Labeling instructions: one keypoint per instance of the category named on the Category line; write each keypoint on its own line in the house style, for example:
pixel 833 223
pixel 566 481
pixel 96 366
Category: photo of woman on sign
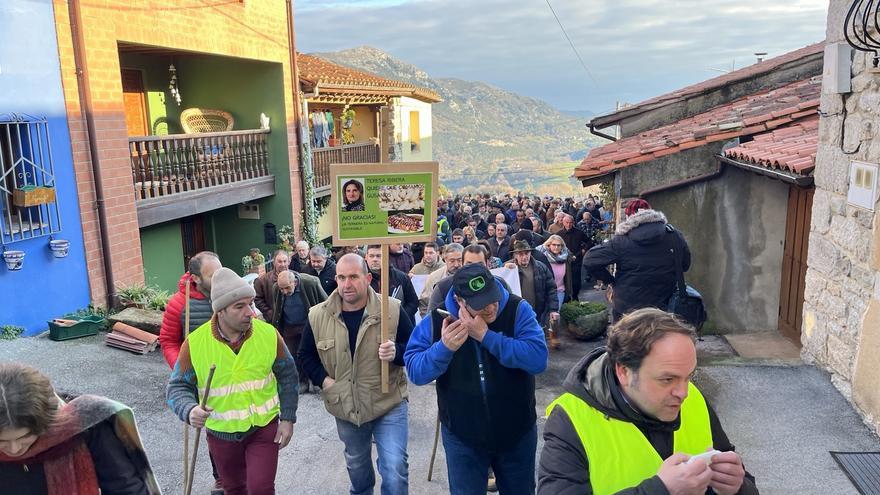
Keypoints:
pixel 353 195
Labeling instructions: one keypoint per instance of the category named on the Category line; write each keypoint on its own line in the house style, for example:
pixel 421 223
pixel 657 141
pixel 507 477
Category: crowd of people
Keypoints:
pixel 629 420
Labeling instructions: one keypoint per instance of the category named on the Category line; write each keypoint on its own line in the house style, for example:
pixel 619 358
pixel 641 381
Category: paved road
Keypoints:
pixel 783 419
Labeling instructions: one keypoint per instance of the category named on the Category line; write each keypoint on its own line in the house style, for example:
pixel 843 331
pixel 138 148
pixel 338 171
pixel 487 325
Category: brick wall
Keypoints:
pixel 254 30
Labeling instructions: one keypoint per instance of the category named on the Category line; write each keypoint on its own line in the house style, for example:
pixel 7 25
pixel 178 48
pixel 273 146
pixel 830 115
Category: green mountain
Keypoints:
pixel 484 136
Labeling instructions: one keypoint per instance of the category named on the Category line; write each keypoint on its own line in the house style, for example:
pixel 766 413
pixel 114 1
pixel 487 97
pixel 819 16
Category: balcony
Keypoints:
pixel 179 175
pixel 349 153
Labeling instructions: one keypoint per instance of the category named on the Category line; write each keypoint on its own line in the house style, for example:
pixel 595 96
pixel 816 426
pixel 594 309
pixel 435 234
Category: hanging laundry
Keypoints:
pixel 328 116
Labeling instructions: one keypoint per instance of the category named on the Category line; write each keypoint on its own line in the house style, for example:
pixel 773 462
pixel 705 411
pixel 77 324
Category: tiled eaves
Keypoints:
pixel 320 73
pixel 791 148
pixel 750 115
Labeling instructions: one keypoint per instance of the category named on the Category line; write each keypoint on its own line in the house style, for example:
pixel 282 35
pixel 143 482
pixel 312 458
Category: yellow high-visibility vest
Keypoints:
pixel 618 453
pixel 244 392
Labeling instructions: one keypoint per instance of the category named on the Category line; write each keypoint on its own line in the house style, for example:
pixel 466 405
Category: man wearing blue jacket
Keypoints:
pixel 484 357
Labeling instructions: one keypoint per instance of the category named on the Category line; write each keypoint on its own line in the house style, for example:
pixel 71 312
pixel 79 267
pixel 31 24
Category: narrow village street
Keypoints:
pixel 242 191
pixel 769 409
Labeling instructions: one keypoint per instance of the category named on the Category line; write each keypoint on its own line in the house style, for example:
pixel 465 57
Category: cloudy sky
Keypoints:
pixel 633 49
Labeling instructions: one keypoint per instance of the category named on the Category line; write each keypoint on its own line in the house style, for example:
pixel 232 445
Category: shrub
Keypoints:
pixel 10 332
pixel 143 296
pixel 571 311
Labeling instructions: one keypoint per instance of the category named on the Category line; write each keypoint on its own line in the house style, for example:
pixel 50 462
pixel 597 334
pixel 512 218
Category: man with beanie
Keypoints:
pixel 172 333
pixel 342 353
pixel 484 356
pixel 251 410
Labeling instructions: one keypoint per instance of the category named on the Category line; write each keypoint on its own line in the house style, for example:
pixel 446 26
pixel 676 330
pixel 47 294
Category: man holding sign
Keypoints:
pixel 340 352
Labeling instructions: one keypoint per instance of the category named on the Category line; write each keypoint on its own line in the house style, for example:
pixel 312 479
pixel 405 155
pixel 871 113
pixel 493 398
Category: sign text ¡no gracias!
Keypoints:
pixel 375 203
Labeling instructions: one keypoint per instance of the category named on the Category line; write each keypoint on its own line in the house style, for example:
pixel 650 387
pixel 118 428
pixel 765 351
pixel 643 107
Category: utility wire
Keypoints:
pixel 572 44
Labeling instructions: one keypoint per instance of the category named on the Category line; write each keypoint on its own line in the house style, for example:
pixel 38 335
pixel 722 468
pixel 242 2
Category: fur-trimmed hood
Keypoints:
pixel 644 227
pixel 640 218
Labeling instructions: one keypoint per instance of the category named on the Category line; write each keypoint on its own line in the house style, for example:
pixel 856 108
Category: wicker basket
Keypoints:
pixel 199 120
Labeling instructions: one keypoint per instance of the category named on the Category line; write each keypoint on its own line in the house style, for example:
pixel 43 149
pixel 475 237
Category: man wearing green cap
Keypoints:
pixel 484 356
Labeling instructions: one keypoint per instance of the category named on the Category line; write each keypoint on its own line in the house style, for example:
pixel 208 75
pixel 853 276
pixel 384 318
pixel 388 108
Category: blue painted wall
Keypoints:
pixel 30 83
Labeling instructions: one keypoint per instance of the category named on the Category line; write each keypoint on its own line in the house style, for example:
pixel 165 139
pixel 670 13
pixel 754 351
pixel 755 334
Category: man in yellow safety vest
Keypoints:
pixel 630 419
pixel 251 406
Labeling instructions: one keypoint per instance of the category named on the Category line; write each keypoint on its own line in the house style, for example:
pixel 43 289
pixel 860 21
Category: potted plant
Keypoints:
pixel 14 259
pixel 253 262
pixel 585 320
pixel 347 124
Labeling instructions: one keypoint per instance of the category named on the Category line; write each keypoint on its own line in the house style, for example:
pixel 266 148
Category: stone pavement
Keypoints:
pixel 783 419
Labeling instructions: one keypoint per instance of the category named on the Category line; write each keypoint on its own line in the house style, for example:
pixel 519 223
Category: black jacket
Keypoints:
pixel 309 289
pixel 545 290
pixel 327 275
pixel 118 470
pixel 409 300
pixel 564 468
pixel 500 250
pixel 645 267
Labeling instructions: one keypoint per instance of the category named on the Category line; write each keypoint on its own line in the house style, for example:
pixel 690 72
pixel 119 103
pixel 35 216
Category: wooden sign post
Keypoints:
pixel 377 203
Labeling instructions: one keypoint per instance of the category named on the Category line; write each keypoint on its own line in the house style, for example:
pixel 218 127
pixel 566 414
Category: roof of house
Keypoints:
pixel 331 78
pixel 715 83
pixel 750 115
pixel 790 149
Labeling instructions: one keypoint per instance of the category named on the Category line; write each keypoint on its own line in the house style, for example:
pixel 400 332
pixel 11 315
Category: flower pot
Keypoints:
pixel 334 141
pixel 59 247
pixel 14 259
pixel 588 327
pixel 33 196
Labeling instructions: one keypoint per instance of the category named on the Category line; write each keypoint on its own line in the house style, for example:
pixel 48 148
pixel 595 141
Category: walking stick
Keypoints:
pixel 434 450
pixel 185 425
pixel 192 465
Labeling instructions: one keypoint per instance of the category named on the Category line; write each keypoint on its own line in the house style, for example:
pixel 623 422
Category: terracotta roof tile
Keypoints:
pixel 757 113
pixel 791 148
pixel 718 82
pixel 327 76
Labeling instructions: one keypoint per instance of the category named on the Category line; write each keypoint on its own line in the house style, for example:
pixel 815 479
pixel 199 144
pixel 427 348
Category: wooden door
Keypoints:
pixel 192 233
pixel 135 103
pixel 794 262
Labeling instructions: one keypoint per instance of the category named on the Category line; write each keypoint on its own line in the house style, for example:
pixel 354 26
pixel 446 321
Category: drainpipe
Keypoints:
pixel 595 132
pixel 685 182
pixel 304 152
pixel 87 110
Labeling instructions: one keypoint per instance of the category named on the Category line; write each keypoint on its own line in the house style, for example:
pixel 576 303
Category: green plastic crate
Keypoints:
pixel 84 327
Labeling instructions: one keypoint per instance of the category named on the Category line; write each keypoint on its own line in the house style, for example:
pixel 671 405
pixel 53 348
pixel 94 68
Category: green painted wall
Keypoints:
pixel 162 250
pixel 162 109
pixel 245 89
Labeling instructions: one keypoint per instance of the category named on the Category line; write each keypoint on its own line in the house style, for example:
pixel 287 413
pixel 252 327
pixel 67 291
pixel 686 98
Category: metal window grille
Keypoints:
pixel 28 204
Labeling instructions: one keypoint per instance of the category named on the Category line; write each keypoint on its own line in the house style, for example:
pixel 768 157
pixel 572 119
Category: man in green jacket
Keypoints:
pixel 293 295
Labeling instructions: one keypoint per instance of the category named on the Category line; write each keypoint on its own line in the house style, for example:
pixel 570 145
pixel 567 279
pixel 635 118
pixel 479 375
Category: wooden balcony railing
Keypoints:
pixel 349 153
pixel 176 163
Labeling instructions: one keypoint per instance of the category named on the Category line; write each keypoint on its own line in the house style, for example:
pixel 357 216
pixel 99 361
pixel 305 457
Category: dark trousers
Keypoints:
pixel 292 336
pixel 576 278
pixel 247 467
pixel 468 467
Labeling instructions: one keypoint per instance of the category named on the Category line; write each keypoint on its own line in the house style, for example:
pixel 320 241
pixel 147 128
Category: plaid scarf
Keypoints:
pixel 65 456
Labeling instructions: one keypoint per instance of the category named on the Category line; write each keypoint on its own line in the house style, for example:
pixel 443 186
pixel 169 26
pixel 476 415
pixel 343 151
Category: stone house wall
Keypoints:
pixel 841 330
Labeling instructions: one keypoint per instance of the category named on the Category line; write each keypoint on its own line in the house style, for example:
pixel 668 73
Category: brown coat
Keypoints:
pixel 264 300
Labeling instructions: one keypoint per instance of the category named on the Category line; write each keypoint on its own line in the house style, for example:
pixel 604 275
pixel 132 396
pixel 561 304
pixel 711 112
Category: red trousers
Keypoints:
pixel 247 467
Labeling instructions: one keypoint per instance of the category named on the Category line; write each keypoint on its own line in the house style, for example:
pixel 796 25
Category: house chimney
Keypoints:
pixel 760 56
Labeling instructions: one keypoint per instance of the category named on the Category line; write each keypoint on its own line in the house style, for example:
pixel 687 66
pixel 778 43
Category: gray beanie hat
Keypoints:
pixel 227 287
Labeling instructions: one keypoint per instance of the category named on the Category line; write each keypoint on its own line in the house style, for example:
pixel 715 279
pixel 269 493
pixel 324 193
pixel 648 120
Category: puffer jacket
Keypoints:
pixel 645 274
pixel 564 468
pixel 171 334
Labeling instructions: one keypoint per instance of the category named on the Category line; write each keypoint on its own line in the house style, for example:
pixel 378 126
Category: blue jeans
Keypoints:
pixel 560 296
pixel 390 431
pixel 468 467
